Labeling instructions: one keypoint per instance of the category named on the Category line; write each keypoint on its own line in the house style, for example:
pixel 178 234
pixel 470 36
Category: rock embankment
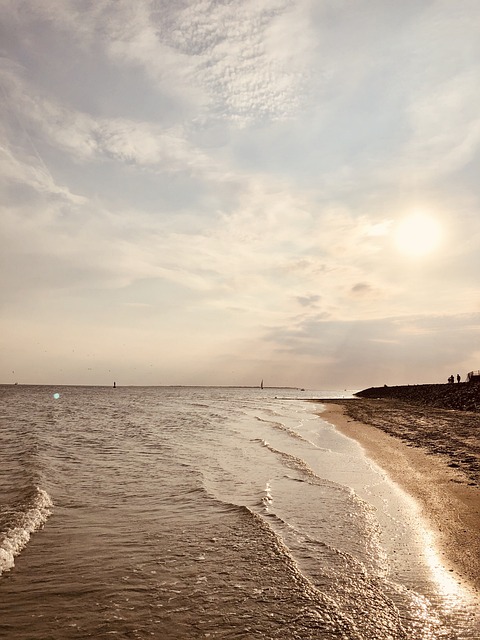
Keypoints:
pixel 463 396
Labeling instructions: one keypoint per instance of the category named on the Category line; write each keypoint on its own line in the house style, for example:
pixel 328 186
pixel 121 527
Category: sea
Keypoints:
pixel 196 512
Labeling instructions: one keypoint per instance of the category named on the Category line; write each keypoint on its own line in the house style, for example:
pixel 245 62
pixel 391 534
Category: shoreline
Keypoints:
pixel 449 501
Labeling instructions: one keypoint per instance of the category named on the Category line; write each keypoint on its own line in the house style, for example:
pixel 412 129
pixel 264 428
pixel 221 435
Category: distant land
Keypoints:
pixel 157 386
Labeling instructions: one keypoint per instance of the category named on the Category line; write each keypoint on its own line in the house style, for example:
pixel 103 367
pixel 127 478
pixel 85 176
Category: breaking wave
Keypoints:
pixel 18 522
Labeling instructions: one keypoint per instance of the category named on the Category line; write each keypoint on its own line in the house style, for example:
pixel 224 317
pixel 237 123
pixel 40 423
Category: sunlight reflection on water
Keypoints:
pixel 453 592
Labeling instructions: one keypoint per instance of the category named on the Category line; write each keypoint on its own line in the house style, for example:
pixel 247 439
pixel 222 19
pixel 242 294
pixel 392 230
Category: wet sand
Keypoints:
pixel 434 455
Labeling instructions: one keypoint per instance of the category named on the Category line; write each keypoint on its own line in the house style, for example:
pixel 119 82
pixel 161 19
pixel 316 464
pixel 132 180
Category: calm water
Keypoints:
pixel 177 513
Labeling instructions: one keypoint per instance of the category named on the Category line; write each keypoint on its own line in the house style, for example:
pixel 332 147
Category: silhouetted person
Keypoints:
pixel 458 377
pixel 451 379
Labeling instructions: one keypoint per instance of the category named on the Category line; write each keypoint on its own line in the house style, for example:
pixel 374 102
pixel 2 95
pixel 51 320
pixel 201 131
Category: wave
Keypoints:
pixel 336 594
pixel 281 427
pixel 18 522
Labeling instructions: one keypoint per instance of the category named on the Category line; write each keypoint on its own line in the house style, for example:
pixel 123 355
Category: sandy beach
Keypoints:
pixel 434 455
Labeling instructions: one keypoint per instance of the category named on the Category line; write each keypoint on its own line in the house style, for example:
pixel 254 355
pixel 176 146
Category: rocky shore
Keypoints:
pixel 463 396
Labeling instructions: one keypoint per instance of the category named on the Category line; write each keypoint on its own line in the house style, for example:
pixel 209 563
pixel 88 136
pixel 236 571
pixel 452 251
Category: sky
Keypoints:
pixel 200 192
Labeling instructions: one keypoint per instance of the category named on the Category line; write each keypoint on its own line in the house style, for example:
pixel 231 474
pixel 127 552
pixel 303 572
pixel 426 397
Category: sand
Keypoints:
pixel 434 456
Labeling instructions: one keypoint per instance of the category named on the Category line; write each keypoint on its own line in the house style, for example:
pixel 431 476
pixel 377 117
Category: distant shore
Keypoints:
pixel 434 455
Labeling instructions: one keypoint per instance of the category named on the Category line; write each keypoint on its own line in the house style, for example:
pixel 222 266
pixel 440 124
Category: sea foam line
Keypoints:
pixel 26 518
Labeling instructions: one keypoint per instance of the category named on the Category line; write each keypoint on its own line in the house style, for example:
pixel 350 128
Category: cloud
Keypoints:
pixel 309 301
pixel 230 53
pixel 446 126
pixel 86 138
pixel 29 170
pixel 384 350
pixel 243 62
pixel 361 288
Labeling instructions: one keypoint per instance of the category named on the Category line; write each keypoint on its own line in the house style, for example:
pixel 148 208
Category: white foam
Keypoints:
pixel 27 518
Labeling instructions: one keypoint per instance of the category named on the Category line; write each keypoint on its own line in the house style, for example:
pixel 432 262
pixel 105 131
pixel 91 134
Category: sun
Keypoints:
pixel 417 235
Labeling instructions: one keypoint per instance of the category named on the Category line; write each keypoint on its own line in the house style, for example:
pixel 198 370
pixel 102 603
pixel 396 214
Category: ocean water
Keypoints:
pixel 184 513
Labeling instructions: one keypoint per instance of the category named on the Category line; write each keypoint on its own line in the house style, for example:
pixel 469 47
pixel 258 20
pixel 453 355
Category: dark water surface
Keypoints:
pixel 177 513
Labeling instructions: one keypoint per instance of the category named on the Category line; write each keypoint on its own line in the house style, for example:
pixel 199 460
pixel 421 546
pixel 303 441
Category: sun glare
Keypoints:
pixel 417 235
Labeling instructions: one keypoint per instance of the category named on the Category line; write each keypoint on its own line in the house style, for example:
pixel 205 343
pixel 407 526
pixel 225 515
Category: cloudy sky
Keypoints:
pixel 216 192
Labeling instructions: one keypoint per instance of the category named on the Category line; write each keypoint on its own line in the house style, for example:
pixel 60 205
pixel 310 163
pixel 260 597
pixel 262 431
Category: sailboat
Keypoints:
pixel 261 384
